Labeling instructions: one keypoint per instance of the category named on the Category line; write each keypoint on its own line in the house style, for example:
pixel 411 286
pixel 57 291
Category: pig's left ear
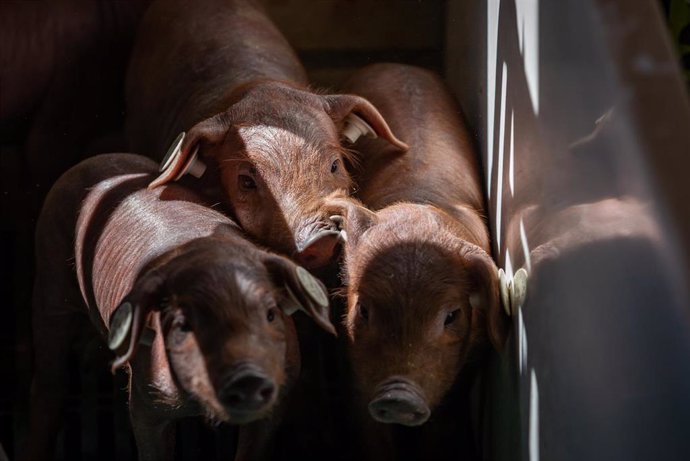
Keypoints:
pixel 355 116
pixel 305 292
pixel 128 320
pixel 484 293
pixel 183 155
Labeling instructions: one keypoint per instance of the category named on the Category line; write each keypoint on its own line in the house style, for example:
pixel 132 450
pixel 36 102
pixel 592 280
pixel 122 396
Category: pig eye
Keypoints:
pixel 450 318
pixel 180 323
pixel 247 182
pixel 334 166
pixel 271 315
pixel 364 312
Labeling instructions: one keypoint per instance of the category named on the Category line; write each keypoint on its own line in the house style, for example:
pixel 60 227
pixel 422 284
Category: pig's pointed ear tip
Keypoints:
pixel 404 147
pixel 154 184
pixel 328 326
pixel 117 363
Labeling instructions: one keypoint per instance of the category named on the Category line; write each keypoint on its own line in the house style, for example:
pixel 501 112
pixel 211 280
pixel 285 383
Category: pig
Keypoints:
pixel 260 140
pixel 62 72
pixel 197 313
pixel 421 286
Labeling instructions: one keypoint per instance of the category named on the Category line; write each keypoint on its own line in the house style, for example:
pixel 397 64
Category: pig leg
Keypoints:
pixel 153 432
pixel 54 332
pixel 254 440
pixel 377 439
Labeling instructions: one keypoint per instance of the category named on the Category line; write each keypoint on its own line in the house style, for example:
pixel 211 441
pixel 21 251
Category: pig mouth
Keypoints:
pixel 399 401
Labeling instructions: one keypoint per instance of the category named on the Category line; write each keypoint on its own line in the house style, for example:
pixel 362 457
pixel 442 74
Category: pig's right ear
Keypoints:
pixel 484 292
pixel 128 320
pixel 355 116
pixel 183 155
pixel 305 292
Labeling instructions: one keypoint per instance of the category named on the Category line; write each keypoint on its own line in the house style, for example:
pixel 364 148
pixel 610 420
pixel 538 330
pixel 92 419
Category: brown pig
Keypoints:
pixel 197 313
pixel 261 141
pixel 422 287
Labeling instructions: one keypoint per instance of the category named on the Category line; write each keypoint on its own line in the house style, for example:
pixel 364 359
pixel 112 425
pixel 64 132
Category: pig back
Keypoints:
pixel 188 58
pixel 123 227
pixel 441 166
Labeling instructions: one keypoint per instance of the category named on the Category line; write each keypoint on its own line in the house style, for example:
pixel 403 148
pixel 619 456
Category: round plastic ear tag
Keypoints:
pixel 518 291
pixel 293 304
pixel 194 166
pixel 173 152
pixel 120 324
pixel 312 287
pixel 504 290
pixel 355 127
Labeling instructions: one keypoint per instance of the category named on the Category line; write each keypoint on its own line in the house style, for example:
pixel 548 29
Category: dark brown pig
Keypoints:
pixel 197 313
pixel 258 138
pixel 62 72
pixel 422 287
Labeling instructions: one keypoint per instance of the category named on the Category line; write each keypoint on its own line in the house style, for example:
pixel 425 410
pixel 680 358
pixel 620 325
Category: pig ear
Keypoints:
pixel 484 292
pixel 356 117
pixel 353 217
pixel 128 320
pixel 183 155
pixel 305 292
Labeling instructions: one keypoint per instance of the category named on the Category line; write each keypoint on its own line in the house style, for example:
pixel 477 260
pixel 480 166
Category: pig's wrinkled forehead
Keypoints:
pixel 297 111
pixel 221 285
pixel 398 268
pixel 282 150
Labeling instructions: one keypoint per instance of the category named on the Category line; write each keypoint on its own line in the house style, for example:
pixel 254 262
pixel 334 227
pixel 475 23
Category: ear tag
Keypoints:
pixel 194 166
pixel 312 287
pixel 294 305
pixel 120 325
pixel 173 152
pixel 355 127
pixel 518 290
pixel 504 289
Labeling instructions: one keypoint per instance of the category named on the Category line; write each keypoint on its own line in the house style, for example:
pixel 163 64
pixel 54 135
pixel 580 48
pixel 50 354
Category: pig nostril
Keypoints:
pixel 266 393
pixel 399 407
pixel 247 391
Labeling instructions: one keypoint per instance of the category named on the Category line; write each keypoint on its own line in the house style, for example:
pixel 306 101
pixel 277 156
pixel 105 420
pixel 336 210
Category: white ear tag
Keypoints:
pixel 194 166
pixel 173 152
pixel 312 287
pixel 120 324
pixel 504 289
pixel 355 127
pixel 294 305
pixel 518 290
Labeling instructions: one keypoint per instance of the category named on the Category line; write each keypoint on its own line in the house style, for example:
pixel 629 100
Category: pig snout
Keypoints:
pixel 247 392
pixel 317 244
pixel 399 401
